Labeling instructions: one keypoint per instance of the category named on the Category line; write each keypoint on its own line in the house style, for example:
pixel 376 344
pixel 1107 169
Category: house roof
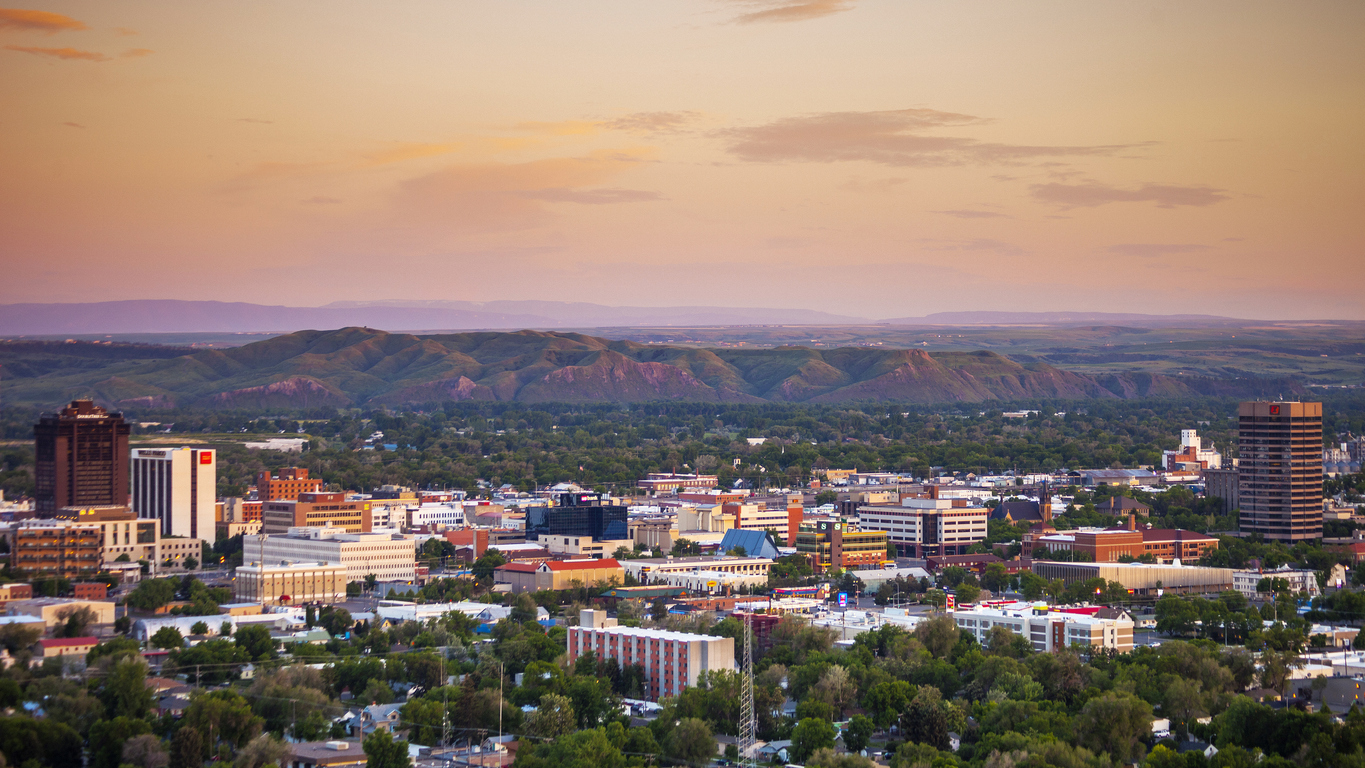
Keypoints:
pixel 1121 504
pixel 68 642
pixel 1017 511
pixel 581 565
pixel 517 567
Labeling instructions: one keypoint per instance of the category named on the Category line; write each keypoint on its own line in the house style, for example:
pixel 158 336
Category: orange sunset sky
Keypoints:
pixel 878 159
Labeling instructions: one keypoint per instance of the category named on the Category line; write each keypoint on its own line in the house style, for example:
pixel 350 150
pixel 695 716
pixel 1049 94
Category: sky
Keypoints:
pixel 875 159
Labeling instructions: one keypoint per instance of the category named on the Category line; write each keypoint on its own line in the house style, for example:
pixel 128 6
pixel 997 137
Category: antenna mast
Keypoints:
pixel 748 717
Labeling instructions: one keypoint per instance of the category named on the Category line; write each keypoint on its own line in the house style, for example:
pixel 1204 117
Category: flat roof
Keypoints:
pixel 653 634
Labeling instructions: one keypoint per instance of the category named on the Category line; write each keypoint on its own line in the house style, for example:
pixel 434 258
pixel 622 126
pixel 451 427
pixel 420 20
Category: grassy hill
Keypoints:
pixel 353 366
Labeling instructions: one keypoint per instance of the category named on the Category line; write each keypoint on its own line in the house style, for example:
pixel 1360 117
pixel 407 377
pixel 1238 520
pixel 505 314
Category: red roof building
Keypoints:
pixel 67 646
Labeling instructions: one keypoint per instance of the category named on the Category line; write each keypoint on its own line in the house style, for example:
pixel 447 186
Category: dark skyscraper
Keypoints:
pixel 82 459
pixel 1280 470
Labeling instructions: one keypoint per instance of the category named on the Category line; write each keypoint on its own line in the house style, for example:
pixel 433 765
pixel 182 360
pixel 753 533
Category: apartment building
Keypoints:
pixel 122 533
pixel 291 583
pixel 313 510
pixel 924 527
pixel 1049 630
pixel 388 556
pixel 54 548
pixel 671 661
pixel 177 486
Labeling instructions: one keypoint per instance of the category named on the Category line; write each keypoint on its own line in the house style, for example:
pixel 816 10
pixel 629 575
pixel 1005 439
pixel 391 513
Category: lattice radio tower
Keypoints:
pixel 748 717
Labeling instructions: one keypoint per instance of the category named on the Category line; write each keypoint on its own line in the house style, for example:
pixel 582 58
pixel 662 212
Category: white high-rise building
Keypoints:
pixel 177 486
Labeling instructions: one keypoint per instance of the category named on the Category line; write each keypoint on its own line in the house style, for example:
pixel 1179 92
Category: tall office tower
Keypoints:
pixel 1280 469
pixel 177 486
pixel 82 459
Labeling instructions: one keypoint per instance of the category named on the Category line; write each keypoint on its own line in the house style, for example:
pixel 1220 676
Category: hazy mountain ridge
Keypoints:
pixel 354 366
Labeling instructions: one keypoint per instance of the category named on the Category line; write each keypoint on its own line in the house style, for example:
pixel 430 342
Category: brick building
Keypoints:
pixel 55 548
pixel 315 509
pixel 288 485
pixel 671 661
pixel 1108 545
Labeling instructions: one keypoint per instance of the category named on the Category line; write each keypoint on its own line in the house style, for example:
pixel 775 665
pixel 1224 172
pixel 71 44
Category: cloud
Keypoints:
pixel 59 53
pixel 73 125
pixel 136 53
pixel 966 214
pixel 787 10
pixel 650 122
pixel 410 151
pixel 1093 194
pixel 37 21
pixel 321 200
pixel 1151 250
pixel 895 137
pixel 512 196
pixel 592 196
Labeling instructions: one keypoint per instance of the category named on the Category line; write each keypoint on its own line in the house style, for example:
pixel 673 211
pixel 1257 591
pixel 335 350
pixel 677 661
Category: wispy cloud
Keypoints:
pixel 60 53
pixel 1093 194
pixel 968 214
pixel 136 53
pixel 37 21
pixel 650 122
pixel 410 151
pixel 791 10
pixel 896 137
pixel 512 196
pixel 591 196
pixel 1151 250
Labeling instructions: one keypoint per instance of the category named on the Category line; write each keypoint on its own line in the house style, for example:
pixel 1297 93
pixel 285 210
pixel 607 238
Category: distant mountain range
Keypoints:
pixel 360 366
pixel 174 316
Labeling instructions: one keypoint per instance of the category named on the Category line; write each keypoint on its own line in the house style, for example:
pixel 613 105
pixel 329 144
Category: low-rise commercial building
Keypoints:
pixel 1108 545
pixel 291 583
pixel 710 582
pixel 668 482
pixel 77 647
pixel 671 661
pixel 56 610
pixel 315 509
pixel 579 547
pixel 571 574
pixel 1049 630
pixel 288 485
pixel 1141 579
pixel 387 556
pixel 646 569
pixel 11 592
pixel 1246 582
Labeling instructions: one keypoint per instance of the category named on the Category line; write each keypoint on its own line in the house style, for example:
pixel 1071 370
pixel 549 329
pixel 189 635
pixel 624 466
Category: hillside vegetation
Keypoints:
pixel 361 366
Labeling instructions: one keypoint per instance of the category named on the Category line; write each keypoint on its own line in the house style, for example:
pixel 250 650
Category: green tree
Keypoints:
pixel 1031 585
pixel 858 734
pixel 690 742
pixel 256 641
pixel 223 716
pixel 124 691
pixel 939 634
pixel 264 750
pixel 151 594
pixel 145 751
pixel 107 738
pixel 582 749
pixel 489 560
pixel 168 638
pixel 810 735
pixel 553 718
pixel 30 743
pixel 383 751
pixel 200 628
pixel 187 748
pixel 1115 724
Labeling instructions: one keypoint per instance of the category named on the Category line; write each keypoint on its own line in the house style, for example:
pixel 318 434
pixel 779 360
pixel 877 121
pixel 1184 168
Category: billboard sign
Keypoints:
pixel 843 599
